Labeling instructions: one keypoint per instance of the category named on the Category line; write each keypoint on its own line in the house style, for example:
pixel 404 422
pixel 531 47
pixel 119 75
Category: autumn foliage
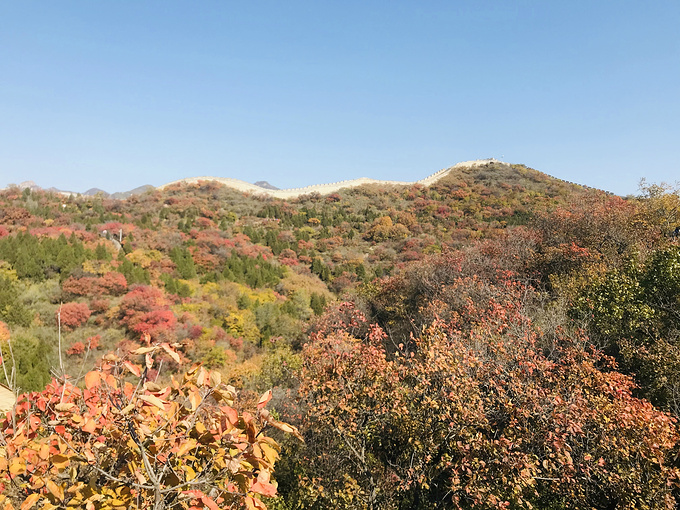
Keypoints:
pixel 122 441
pixel 72 315
pixel 492 415
pixel 497 339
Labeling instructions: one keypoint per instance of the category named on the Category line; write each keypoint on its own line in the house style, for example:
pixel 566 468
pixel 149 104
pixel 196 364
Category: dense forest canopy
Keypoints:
pixel 499 339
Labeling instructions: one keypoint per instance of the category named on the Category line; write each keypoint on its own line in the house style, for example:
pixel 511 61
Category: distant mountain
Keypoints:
pixel 136 191
pixel 265 185
pixel 29 184
pixel 95 191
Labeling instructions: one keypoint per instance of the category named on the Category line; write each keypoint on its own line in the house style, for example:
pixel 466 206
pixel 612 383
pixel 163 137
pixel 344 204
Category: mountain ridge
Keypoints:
pixel 264 188
pixel 328 188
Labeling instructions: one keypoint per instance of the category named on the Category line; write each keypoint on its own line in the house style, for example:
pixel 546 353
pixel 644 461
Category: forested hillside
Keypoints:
pixel 499 339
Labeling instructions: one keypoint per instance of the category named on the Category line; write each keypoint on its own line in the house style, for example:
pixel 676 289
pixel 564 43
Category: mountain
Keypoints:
pixel 489 170
pixel 95 191
pixel 136 191
pixel 499 172
pixel 265 185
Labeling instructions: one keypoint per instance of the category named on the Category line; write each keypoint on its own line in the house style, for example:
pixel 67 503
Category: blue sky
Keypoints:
pixel 119 94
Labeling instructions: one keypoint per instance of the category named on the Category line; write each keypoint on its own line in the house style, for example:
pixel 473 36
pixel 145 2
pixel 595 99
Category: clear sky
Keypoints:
pixel 117 94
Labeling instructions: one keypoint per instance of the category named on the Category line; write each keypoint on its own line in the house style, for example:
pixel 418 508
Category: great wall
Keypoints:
pixel 325 189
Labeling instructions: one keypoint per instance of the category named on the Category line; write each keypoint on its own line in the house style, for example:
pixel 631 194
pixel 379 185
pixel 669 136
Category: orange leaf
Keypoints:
pixel 231 413
pixel 111 381
pixel 286 428
pixel 90 426
pixel 186 446
pixel 30 501
pixel 92 379
pixel 133 368
pixel 207 501
pixel 264 488
pixel 44 452
pixel 266 397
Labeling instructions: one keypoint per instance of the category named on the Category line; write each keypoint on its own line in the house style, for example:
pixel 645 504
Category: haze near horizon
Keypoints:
pixel 115 96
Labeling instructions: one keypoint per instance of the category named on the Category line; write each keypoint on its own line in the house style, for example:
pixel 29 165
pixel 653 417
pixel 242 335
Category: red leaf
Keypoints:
pixel 266 397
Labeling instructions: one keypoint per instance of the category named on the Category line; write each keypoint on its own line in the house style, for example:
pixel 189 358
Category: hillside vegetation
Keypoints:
pixel 497 339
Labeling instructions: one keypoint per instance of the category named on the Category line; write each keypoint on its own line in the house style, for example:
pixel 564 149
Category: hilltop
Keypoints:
pixel 328 188
pixel 265 188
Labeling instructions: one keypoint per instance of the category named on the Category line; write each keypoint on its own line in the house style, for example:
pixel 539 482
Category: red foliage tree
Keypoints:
pixel 113 283
pixel 73 315
pixel 158 324
pixel 76 349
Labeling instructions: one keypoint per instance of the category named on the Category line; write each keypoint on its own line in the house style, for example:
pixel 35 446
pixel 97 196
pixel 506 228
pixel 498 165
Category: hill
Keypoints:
pixel 449 323
pixel 325 189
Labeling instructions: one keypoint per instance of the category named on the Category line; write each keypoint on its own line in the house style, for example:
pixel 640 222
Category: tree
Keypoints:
pixel 118 444
pixel 477 418
pixel 72 315
pixel 12 310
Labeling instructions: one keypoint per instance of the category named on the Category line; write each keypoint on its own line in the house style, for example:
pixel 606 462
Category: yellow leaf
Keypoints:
pixel 30 501
pixel 191 474
pixel 171 353
pixel 187 445
pixel 17 466
pixel 201 377
pixel 195 400
pixel 270 454
pixel 254 503
pixel 56 491
pixel 215 378
pixel 127 409
pixel 60 461
pixel 150 399
pixel 143 350
pixel 152 387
